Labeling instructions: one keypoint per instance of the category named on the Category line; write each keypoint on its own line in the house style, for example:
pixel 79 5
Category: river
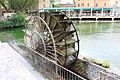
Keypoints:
pixel 100 41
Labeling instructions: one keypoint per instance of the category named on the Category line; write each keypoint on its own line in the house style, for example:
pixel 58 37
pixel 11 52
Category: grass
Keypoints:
pixel 12 33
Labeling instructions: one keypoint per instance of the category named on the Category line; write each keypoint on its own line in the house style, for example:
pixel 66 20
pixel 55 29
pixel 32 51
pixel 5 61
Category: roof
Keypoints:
pixel 77 8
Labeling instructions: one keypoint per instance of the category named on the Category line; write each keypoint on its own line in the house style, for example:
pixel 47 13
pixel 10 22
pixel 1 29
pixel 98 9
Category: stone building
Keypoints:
pixel 43 3
pixel 93 3
pixel 67 3
pixel 2 10
pixel 85 3
pixel 115 4
pixel 102 3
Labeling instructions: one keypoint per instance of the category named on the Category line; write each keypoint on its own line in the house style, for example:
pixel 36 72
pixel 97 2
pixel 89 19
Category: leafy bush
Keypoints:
pixel 17 19
pixel 106 64
pixel 103 63
pixel 5 24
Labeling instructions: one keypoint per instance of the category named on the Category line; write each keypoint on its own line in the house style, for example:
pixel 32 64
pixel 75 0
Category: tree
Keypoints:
pixel 16 5
pixel 4 3
pixel 20 5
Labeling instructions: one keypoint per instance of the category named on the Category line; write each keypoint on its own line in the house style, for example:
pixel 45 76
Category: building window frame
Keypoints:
pixel 88 5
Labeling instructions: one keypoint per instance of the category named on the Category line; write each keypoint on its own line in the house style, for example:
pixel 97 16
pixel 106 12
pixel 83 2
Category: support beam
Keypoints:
pixel 102 12
pixel 91 12
pixel 80 12
pixel 113 12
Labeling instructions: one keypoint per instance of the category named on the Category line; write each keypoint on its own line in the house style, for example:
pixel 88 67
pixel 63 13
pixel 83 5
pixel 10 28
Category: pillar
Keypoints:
pixel 102 12
pixel 113 13
pixel 91 11
pixel 80 12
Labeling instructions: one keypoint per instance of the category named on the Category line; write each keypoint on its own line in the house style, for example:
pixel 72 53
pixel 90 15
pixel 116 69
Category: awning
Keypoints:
pixel 73 8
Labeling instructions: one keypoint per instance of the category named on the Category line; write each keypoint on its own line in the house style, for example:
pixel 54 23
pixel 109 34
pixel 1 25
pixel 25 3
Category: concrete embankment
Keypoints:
pixel 92 71
pixel 14 67
pixel 87 69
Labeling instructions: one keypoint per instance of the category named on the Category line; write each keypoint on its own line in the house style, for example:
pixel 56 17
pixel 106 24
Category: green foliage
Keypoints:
pixel 12 33
pixel 98 62
pixel 103 63
pixel 17 19
pixel 5 4
pixel 4 24
pixel 16 5
pixel 106 64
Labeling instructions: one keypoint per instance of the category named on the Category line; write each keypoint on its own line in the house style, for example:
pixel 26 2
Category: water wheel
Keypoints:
pixel 53 35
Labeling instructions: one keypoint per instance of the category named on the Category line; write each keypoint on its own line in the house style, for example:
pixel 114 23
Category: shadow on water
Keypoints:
pixel 100 41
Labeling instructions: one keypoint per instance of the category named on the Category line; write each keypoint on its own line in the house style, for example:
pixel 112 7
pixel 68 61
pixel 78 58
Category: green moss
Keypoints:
pixel 97 62
pixel 105 64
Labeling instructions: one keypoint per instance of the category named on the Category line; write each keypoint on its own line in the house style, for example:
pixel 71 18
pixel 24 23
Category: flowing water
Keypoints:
pixel 100 41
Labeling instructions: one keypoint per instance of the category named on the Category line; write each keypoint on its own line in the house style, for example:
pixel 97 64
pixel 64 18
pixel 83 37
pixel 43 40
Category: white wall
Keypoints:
pixel 67 1
pixel 6 15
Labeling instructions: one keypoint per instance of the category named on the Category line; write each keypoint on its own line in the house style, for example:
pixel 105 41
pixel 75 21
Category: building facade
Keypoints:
pixel 67 3
pixel 2 10
pixel 85 3
pixel 117 2
pixel 93 3
pixel 43 3
pixel 102 3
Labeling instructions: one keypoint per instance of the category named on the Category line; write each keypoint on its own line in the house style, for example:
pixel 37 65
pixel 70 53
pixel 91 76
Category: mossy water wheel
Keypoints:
pixel 54 35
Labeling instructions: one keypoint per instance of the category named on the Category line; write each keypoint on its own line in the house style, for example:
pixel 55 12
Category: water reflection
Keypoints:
pixel 100 41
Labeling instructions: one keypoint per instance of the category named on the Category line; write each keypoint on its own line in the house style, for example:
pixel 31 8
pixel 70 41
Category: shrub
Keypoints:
pixel 103 63
pixel 4 24
pixel 17 19
pixel 106 64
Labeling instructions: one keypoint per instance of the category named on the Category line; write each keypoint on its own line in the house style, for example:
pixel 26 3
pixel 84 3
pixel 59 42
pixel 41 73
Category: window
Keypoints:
pixel 104 4
pixel 78 5
pixel 88 5
pixel 44 5
pixel 96 4
pixel 116 2
pixel 82 5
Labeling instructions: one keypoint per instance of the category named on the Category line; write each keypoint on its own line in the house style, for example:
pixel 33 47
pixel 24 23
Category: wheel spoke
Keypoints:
pixel 54 37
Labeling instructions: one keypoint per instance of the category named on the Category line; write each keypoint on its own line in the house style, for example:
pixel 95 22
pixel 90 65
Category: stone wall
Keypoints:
pixel 86 69
pixel 92 71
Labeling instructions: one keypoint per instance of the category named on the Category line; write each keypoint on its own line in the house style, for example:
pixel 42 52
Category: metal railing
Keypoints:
pixel 93 14
pixel 45 65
